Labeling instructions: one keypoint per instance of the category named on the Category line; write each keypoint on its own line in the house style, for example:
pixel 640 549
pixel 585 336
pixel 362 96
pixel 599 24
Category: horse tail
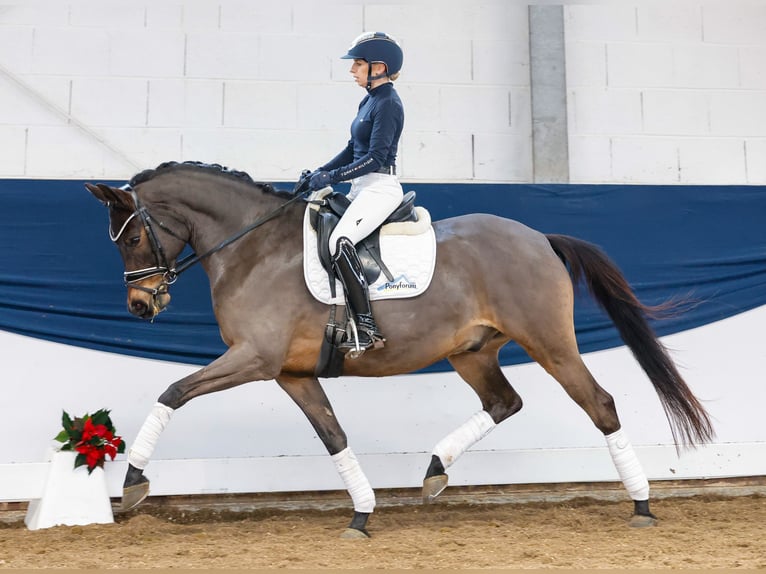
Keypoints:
pixel 687 417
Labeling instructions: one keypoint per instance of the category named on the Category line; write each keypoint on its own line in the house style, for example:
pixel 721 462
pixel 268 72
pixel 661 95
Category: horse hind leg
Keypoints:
pixel 570 371
pixel 499 401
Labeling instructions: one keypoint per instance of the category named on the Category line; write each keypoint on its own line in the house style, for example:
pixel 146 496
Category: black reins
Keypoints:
pixel 162 267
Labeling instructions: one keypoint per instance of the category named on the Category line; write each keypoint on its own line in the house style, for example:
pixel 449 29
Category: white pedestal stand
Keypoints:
pixel 71 496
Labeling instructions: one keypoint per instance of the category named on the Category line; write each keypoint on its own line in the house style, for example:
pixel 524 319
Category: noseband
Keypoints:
pixel 162 267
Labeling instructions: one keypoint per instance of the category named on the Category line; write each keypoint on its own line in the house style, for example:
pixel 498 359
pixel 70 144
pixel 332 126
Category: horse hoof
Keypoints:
pixel 354 534
pixel 433 486
pixel 134 495
pixel 642 521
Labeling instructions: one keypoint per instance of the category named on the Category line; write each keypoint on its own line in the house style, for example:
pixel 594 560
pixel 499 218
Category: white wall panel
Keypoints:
pixel 145 146
pixel 110 101
pixel 16 47
pixel 14 146
pixel 164 16
pixel 645 160
pixel 502 157
pixel 755 156
pixel 66 51
pixel 632 65
pixel 283 58
pixel 262 105
pixel 437 156
pixel 604 111
pixel 35 13
pixel 255 17
pixel 216 55
pixel 734 23
pixel 590 158
pixel 471 109
pixel 323 113
pixel 674 112
pixel 697 65
pixel 146 53
pixel 501 62
pixel 660 22
pixel 237 149
pixel 586 65
pixel 700 161
pixel 41 101
pixel 705 66
pixel 594 22
pixel 107 14
pixel 54 150
pixel 200 16
pixel 337 22
pixel 185 103
pixel 450 63
pixel 751 67
pixel 698 69
pixel 738 113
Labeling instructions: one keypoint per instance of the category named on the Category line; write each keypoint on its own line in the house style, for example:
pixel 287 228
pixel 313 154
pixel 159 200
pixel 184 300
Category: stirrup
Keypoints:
pixel 360 339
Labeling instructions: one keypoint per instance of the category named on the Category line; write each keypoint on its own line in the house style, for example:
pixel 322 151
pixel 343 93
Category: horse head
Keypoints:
pixel 149 263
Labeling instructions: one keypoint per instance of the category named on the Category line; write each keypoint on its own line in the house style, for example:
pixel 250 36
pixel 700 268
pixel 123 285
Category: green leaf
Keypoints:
pixel 101 417
pixel 80 460
pixel 63 436
pixel 66 421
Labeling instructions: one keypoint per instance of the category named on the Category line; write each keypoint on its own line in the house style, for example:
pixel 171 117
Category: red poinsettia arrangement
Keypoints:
pixel 92 437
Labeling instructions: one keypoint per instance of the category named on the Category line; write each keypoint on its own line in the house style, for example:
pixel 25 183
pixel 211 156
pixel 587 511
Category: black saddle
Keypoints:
pixel 331 209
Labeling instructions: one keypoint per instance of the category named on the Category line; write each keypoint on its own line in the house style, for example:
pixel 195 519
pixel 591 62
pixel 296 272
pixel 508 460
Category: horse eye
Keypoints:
pixel 133 241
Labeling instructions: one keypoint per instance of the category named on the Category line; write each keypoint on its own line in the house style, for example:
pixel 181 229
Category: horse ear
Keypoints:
pixel 111 196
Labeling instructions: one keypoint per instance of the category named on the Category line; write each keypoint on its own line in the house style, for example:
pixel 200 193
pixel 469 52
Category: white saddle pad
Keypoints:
pixel 408 250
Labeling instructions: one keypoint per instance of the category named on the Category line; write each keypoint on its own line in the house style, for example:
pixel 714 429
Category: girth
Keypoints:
pixel 331 209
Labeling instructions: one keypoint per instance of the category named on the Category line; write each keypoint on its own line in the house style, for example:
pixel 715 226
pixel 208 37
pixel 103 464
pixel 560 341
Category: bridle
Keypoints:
pixel 162 266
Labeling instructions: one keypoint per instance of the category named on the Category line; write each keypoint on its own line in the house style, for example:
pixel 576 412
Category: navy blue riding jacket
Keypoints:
pixel 375 135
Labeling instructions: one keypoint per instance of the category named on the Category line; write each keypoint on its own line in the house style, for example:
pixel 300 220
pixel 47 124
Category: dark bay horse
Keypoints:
pixel 495 281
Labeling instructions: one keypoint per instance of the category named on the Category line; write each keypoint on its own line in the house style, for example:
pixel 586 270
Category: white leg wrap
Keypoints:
pixel 628 467
pixel 143 447
pixel 464 437
pixel 356 482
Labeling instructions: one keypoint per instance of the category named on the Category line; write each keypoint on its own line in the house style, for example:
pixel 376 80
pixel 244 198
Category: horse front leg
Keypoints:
pixel 309 395
pixel 237 366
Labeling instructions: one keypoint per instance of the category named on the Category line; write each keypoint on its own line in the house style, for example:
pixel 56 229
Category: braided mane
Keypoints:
pixel 170 166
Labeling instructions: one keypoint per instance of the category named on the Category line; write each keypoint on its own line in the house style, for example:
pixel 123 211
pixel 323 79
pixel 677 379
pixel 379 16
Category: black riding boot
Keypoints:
pixel 349 270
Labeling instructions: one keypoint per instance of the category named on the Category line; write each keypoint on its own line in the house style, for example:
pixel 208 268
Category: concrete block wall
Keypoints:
pixel 667 93
pixel 105 89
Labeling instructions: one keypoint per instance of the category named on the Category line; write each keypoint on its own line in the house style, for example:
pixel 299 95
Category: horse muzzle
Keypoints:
pixel 147 299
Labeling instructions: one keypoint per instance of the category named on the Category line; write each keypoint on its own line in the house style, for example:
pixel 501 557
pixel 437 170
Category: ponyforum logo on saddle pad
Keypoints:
pixel 397 285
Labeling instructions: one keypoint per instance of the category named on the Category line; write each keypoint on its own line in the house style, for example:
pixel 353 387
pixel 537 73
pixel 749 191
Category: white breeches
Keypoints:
pixel 373 198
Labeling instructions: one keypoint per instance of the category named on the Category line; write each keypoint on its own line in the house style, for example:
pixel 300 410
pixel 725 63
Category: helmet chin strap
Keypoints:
pixel 371 78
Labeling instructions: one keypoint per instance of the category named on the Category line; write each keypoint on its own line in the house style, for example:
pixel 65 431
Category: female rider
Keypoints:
pixel 368 160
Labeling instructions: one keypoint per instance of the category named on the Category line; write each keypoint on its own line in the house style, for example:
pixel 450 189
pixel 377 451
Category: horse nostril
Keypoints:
pixel 137 307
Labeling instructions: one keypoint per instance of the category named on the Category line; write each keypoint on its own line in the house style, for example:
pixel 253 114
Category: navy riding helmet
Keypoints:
pixel 375 47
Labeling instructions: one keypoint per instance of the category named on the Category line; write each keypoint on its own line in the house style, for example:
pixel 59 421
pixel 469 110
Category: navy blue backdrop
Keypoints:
pixel 61 278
